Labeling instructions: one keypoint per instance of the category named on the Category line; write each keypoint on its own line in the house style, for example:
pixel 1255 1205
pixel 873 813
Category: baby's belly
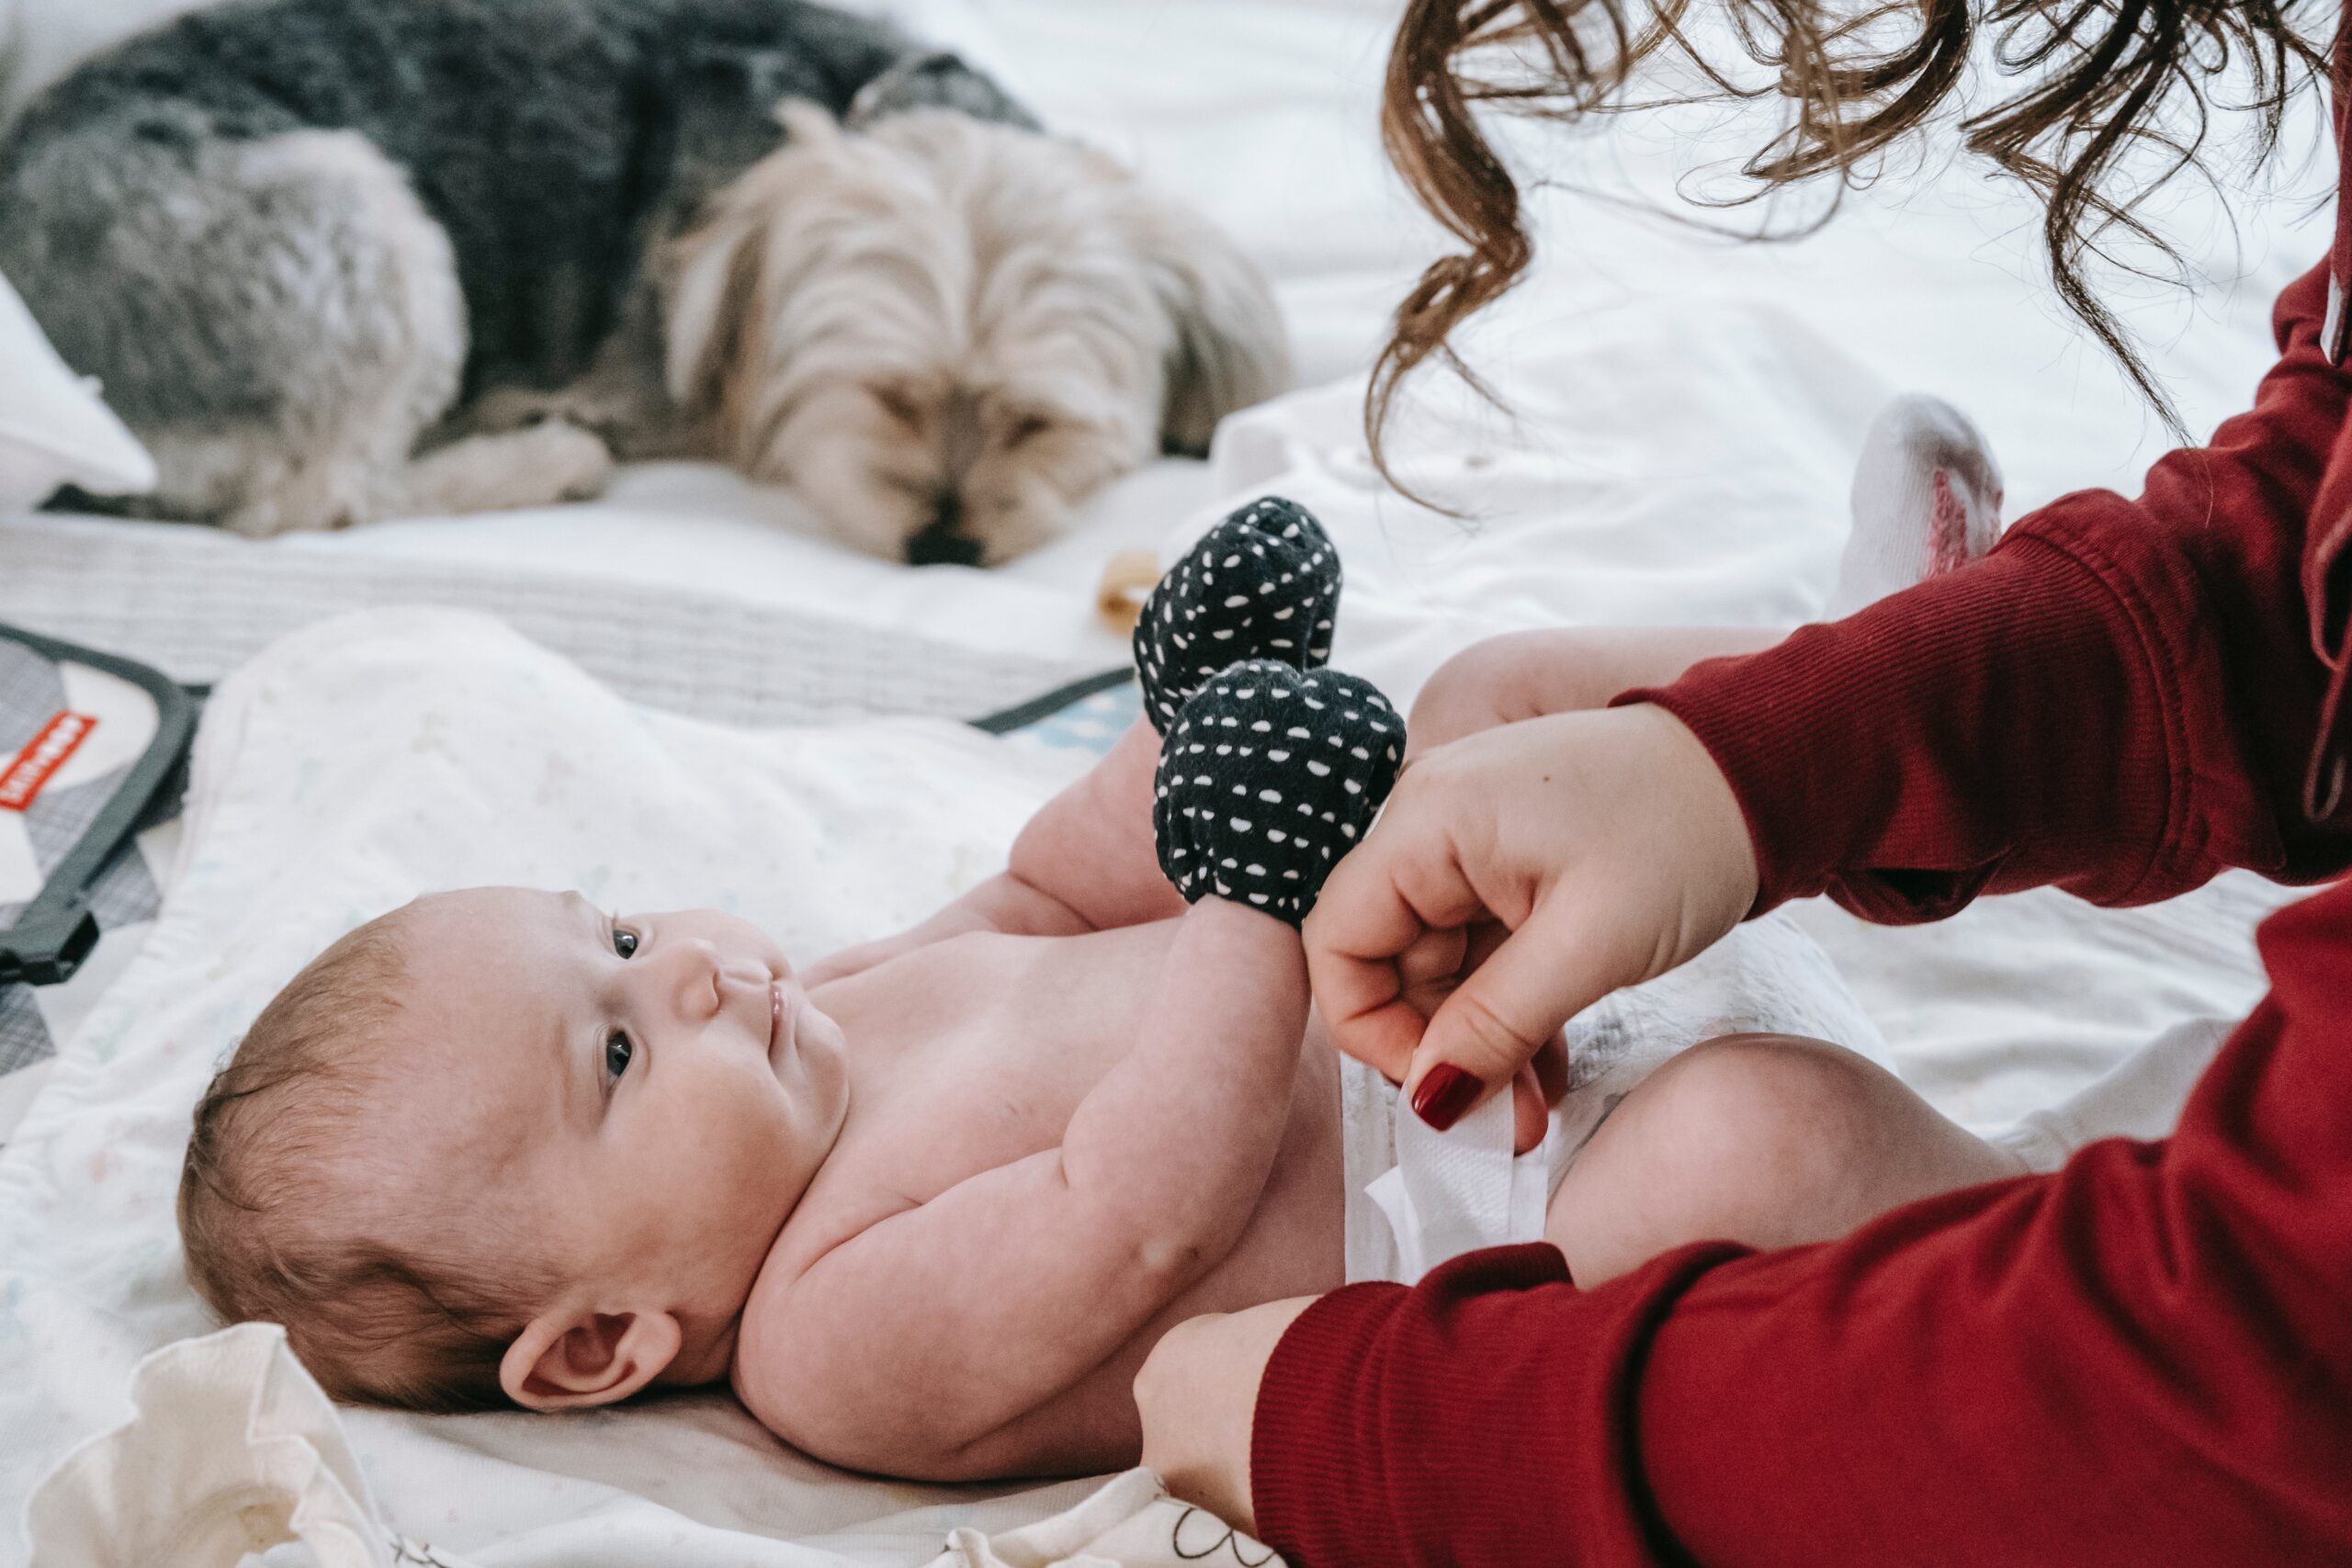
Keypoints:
pixel 1295 1245
pixel 1010 1037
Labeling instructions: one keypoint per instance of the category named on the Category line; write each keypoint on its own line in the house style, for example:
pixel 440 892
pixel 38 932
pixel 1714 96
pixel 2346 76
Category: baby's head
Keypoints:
pixel 496 1145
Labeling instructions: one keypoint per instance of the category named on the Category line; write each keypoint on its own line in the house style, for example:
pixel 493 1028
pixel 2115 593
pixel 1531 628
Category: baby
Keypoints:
pixel 927 1205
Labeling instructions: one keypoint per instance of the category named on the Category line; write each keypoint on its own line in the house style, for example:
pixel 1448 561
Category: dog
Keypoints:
pixel 334 262
pixel 943 333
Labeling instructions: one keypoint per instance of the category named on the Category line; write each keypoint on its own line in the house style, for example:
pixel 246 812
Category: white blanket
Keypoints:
pixel 349 769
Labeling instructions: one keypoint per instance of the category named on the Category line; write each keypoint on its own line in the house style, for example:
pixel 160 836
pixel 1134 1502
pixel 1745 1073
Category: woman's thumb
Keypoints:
pixel 1494 1022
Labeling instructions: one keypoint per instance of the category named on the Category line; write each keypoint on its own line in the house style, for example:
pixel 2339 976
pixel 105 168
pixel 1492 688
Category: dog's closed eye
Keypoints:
pixel 1024 428
pixel 901 404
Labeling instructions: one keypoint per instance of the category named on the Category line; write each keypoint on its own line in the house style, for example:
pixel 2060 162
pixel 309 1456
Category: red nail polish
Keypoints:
pixel 1444 1094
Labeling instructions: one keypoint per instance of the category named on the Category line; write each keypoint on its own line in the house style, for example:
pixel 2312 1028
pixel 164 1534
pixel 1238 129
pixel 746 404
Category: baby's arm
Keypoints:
pixel 916 1347
pixel 1521 675
pixel 1264 583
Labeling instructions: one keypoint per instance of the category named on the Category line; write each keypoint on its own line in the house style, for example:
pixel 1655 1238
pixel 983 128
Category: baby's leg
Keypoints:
pixel 1527 674
pixel 1927 498
pixel 1765 1139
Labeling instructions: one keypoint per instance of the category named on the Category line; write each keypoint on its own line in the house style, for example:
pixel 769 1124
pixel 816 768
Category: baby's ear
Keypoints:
pixel 569 1359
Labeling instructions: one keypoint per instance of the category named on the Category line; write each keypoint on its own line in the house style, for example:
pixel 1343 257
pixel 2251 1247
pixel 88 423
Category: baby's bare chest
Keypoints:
pixel 974 1052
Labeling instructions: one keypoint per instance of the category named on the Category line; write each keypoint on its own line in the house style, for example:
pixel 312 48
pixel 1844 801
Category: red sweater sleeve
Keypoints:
pixel 2142 1359
pixel 2121 698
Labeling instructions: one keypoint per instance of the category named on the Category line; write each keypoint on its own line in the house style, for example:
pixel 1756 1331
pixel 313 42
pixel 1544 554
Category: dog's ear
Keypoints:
pixel 713 276
pixel 1230 349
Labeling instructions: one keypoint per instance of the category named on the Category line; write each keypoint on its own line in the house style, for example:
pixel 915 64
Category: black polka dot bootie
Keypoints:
pixel 1268 775
pixel 1264 583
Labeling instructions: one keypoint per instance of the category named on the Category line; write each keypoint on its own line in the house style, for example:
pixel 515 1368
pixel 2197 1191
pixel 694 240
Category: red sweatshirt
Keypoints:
pixel 2144 1359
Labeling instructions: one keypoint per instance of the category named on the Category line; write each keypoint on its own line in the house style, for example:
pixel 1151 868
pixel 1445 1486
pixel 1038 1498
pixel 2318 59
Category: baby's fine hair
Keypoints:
pixel 269 1209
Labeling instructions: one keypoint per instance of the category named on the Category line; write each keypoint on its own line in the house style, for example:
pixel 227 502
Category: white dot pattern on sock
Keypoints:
pixel 1260 825
pixel 1264 583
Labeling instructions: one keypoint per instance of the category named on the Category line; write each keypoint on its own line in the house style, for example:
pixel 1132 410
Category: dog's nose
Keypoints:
pixel 938 543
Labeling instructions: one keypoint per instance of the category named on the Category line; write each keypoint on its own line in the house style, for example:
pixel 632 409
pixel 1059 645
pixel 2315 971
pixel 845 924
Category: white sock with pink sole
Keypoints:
pixel 1926 498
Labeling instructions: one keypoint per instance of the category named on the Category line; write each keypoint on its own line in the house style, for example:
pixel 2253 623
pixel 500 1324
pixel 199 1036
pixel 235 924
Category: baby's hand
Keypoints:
pixel 1264 583
pixel 1267 777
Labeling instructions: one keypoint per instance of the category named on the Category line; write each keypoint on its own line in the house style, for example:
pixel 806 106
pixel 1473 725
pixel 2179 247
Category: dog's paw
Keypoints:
pixel 1264 583
pixel 1267 777
pixel 571 463
pixel 537 466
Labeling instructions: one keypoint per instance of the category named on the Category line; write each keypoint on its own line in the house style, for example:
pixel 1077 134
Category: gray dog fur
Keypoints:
pixel 292 236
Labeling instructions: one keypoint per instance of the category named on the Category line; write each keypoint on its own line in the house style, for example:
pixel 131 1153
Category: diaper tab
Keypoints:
pixel 1462 1190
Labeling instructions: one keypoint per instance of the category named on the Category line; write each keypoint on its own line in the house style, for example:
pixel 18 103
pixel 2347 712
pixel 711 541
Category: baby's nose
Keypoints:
pixel 739 985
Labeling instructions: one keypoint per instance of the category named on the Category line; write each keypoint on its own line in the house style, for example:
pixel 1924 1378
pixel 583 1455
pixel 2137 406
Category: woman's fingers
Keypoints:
pixel 1529 1115
pixel 1551 1067
pixel 1398 894
pixel 1430 969
pixel 1506 1010
pixel 1607 844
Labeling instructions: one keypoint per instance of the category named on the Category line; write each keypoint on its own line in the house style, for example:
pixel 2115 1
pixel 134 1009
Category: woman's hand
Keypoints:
pixel 1545 864
pixel 1198 1393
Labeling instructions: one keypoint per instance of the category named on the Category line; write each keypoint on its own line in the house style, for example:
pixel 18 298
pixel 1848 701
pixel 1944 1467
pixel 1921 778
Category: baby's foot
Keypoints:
pixel 1264 583
pixel 1926 498
pixel 1267 777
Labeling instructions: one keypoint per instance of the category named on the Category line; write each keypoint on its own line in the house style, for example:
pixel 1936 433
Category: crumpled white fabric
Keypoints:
pixel 232 1448
pixel 55 428
pixel 1131 1523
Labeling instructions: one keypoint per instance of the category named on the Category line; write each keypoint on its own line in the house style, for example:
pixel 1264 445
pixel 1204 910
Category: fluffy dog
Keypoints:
pixel 336 262
pixel 943 333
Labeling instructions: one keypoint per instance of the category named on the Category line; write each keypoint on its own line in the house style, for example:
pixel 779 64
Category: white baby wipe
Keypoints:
pixel 1462 1190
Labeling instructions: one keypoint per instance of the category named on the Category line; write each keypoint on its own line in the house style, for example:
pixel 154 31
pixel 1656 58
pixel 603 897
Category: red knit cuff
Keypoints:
pixel 1478 1420
pixel 1987 725
pixel 1307 1464
pixel 1381 1405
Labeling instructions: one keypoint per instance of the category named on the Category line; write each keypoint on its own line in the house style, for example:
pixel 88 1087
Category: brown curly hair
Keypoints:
pixel 2100 72
pixel 273 1204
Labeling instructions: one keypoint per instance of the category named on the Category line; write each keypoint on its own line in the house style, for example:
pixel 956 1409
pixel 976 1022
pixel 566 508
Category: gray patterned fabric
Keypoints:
pixel 195 604
pixel 29 692
pixel 24 1034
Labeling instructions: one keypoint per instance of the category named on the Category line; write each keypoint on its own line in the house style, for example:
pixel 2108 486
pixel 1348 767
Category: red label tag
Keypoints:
pixel 21 780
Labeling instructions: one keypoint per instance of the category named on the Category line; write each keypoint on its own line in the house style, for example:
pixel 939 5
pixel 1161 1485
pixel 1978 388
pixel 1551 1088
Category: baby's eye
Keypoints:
pixel 618 1051
pixel 624 941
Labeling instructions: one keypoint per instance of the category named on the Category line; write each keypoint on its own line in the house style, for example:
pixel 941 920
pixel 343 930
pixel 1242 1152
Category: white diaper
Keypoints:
pixel 1417 1198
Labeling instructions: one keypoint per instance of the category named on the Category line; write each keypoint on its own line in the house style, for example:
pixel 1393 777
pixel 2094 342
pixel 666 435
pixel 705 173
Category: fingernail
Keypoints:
pixel 1444 1094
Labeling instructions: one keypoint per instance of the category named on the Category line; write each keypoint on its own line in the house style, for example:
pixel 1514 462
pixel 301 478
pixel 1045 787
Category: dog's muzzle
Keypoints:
pixel 938 543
